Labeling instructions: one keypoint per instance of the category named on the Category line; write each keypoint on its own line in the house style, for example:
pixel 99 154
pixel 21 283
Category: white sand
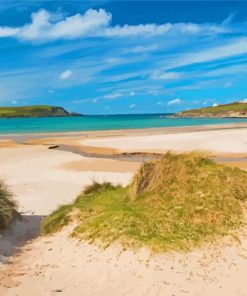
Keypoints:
pixel 70 267
pixel 223 141
pixel 59 265
pixel 40 185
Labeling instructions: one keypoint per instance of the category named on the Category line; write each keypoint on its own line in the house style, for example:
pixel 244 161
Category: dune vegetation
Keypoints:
pixel 174 203
pixel 7 207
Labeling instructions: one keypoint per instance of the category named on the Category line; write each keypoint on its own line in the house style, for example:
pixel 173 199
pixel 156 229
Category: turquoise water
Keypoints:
pixel 110 122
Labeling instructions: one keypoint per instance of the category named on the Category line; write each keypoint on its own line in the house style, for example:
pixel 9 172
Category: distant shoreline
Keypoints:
pixel 22 137
pixel 88 124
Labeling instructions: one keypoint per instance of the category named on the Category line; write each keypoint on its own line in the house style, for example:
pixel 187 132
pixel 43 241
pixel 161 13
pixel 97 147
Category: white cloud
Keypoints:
pixel 227 84
pixel 14 102
pixel 148 29
pixel 132 93
pixel 154 29
pixel 215 105
pixel 65 74
pixel 174 102
pixel 243 101
pixel 113 96
pixel 45 26
pixel 166 76
pixel 8 32
pixel 153 92
pixel 142 49
pixel 132 106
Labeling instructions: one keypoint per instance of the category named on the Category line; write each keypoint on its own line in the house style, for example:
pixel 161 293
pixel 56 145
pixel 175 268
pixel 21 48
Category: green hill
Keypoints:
pixel 233 110
pixel 35 111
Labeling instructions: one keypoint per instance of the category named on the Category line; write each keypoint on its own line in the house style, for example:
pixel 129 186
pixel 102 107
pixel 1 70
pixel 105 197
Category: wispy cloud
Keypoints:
pixel 227 84
pixel 234 47
pixel 166 75
pixel 174 102
pixel 143 49
pixel 113 96
pixel 65 74
pixel 148 29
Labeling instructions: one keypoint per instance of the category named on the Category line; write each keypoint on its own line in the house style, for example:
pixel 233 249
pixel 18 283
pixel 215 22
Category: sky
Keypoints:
pixel 112 57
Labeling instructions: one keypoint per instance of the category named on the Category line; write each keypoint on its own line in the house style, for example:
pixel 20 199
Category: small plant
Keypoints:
pixel 7 207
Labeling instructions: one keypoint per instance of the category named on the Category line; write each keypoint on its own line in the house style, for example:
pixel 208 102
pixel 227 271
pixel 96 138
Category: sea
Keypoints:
pixel 102 122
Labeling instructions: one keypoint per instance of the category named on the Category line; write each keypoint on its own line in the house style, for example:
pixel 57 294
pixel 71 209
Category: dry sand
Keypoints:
pixel 216 141
pixel 58 265
pixel 42 179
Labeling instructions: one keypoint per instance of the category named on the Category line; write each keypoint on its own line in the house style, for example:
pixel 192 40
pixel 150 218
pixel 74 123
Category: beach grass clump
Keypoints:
pixel 7 207
pixel 174 203
pixel 190 174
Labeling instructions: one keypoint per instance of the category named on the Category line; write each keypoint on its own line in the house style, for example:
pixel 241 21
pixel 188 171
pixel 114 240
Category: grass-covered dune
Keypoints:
pixel 7 207
pixel 237 109
pixel 174 203
pixel 34 111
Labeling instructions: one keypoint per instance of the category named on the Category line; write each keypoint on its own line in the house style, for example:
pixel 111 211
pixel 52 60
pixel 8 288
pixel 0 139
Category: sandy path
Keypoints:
pixel 58 265
pixel 40 182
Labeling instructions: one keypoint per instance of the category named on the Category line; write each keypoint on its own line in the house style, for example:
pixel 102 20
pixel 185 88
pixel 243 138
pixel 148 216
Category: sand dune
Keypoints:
pixel 57 264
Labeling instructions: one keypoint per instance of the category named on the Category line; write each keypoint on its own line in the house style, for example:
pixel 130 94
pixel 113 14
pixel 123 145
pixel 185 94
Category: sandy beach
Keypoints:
pixel 42 179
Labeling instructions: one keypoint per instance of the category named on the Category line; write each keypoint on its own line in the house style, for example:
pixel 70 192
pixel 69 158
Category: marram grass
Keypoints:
pixel 174 203
pixel 7 207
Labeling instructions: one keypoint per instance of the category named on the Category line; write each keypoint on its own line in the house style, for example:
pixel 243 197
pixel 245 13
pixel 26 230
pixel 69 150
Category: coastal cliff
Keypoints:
pixel 35 111
pixel 233 110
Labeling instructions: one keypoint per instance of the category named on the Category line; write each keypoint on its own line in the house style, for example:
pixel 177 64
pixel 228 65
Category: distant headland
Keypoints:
pixel 232 110
pixel 35 111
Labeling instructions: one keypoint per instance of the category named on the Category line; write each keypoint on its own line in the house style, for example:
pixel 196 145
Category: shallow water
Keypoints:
pixel 110 122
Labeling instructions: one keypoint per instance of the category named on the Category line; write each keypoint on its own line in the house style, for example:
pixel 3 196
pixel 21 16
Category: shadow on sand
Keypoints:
pixel 20 232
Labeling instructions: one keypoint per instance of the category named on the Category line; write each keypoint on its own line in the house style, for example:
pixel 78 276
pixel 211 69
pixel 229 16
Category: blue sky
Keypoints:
pixel 98 57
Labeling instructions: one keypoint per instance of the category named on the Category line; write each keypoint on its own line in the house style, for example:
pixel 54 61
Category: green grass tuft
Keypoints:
pixel 7 207
pixel 97 187
pixel 175 203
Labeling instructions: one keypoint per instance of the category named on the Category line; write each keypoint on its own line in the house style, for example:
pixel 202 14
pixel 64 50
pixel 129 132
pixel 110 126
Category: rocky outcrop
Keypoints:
pixel 61 112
